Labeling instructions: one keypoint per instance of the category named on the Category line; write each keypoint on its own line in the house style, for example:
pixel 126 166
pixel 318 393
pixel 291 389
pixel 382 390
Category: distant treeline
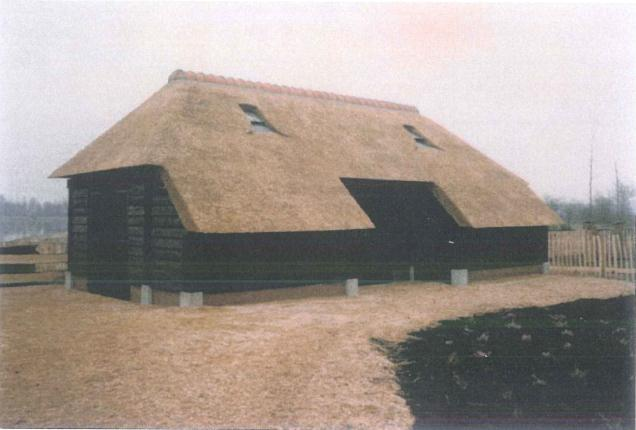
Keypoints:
pixel 605 210
pixel 22 218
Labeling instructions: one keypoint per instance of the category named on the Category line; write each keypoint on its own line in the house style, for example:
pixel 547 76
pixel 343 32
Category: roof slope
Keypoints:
pixel 223 178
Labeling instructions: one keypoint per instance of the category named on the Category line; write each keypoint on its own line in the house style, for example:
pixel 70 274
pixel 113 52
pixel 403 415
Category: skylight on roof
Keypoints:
pixel 256 119
pixel 419 139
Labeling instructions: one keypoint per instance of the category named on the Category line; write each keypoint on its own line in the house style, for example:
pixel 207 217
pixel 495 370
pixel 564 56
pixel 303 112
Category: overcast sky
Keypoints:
pixel 531 86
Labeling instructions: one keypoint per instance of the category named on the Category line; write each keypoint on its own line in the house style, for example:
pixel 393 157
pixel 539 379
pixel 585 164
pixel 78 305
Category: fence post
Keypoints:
pixel 598 252
pixel 589 250
pixel 629 251
pixel 615 260
pixel 580 245
pixel 603 240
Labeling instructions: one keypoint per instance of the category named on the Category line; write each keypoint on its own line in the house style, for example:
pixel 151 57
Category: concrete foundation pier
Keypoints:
pixel 146 295
pixel 545 268
pixel 351 287
pixel 68 280
pixel 459 277
pixel 189 300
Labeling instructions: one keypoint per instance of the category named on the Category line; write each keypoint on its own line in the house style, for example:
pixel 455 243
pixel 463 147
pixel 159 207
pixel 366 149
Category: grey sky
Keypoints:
pixel 531 86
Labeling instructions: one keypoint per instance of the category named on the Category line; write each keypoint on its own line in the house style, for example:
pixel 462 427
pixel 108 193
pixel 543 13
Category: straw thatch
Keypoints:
pixel 223 178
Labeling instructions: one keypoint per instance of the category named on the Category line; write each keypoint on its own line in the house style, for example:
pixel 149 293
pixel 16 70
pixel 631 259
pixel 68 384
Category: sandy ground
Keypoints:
pixel 72 359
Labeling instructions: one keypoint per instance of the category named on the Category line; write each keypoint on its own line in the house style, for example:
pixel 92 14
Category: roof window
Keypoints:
pixel 258 123
pixel 420 140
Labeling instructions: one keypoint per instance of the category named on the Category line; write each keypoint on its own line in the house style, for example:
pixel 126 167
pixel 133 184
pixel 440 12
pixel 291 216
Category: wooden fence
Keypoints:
pixel 33 261
pixel 604 253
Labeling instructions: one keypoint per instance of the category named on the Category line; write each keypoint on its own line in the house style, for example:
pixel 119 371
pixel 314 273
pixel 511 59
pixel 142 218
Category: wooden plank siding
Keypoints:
pixel 135 211
pixel 153 230
pixel 45 262
pixel 78 229
pixel 166 235
pixel 31 278
pixel 32 258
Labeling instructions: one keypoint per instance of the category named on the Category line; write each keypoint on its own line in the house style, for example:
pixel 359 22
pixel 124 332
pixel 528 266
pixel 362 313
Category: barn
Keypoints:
pixel 218 186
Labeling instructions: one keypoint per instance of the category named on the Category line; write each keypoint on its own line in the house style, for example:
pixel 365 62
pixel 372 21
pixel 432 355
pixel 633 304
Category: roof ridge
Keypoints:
pixel 281 89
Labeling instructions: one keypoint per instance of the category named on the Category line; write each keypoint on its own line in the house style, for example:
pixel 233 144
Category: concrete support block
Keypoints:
pixel 459 277
pixel 411 273
pixel 68 280
pixel 146 295
pixel 351 287
pixel 545 268
pixel 190 299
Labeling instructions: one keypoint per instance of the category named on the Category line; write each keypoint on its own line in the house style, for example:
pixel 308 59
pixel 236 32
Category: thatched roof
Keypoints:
pixel 223 178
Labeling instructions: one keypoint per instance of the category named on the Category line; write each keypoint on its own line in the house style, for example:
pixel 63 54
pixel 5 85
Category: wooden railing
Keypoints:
pixel 33 261
pixel 605 253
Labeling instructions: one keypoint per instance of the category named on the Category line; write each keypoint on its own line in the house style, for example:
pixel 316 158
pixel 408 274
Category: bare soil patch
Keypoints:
pixel 564 366
pixel 69 358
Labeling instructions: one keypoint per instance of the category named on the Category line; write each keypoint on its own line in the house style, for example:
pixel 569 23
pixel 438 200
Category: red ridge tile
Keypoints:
pixel 202 77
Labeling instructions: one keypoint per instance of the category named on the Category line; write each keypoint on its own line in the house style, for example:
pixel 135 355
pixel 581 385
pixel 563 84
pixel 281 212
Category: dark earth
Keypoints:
pixel 563 366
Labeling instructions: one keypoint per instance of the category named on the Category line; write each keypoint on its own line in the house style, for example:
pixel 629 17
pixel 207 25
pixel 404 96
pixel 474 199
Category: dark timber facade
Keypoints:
pixel 124 231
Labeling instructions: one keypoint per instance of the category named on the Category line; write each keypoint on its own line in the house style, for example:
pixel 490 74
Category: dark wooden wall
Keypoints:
pixel 411 229
pixel 123 231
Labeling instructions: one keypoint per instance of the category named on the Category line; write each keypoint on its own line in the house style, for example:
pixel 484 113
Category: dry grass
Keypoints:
pixel 74 359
